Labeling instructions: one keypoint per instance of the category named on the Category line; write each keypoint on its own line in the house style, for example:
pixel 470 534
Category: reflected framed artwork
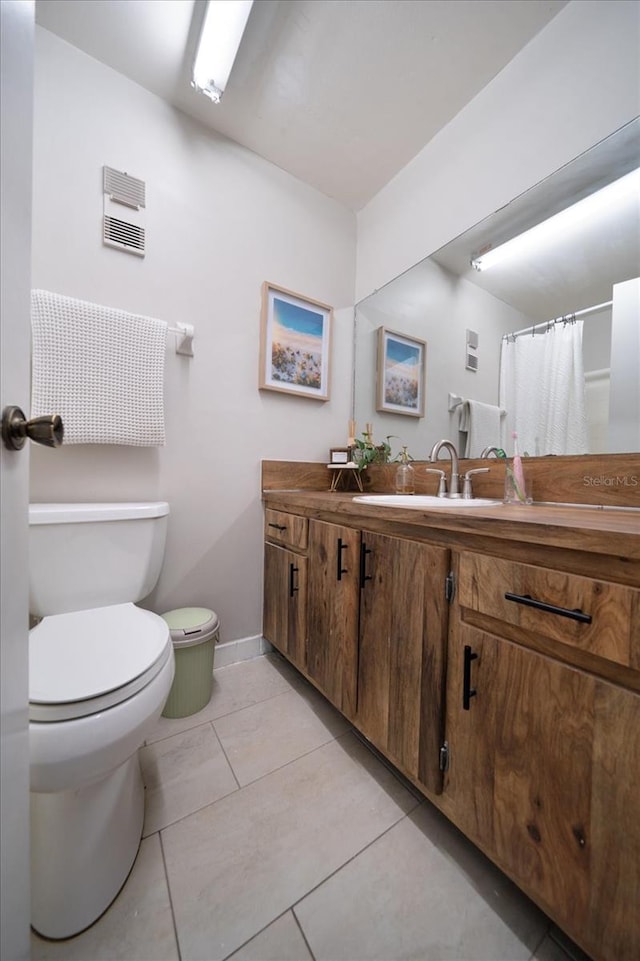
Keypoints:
pixel 400 380
pixel 295 344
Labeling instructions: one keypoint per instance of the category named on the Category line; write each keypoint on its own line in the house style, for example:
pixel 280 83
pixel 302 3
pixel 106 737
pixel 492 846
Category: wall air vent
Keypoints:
pixel 119 233
pixel 124 212
pixel 472 361
pixel 124 189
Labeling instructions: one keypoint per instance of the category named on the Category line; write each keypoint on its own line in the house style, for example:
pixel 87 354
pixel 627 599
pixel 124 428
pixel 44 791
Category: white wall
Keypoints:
pixel 575 83
pixel 219 221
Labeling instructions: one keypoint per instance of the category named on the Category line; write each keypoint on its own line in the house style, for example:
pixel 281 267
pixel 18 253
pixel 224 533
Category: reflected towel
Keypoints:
pixel 101 369
pixel 481 424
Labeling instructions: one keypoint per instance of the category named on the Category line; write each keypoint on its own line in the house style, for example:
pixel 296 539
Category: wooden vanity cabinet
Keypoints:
pixel 376 620
pixel 530 676
pixel 285 585
pixel 544 769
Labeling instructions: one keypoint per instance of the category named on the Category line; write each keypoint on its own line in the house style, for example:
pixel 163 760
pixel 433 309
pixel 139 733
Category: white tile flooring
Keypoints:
pixel 273 834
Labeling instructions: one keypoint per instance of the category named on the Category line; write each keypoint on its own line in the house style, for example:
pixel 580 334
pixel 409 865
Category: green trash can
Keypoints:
pixel 194 632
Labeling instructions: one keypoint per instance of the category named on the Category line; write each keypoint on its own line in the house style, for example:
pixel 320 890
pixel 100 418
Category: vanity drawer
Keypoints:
pixel 284 528
pixel 612 630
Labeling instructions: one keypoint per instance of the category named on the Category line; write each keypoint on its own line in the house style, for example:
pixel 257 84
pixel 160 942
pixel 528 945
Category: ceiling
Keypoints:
pixel 340 93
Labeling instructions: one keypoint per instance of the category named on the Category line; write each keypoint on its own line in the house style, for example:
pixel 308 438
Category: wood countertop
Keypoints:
pixel 592 530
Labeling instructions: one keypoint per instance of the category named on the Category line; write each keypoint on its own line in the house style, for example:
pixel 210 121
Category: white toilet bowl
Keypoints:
pixel 98 681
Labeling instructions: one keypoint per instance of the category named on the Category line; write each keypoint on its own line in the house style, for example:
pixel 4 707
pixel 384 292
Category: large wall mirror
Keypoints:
pixel 446 302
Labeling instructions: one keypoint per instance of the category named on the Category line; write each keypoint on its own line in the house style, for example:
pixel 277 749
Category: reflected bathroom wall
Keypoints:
pixel 432 304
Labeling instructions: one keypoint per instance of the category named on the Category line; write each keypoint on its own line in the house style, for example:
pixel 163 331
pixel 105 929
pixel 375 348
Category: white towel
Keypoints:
pixel 101 369
pixel 481 423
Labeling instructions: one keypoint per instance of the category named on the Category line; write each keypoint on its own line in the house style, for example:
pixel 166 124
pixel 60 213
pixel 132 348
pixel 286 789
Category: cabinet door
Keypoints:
pixel 545 774
pixel 613 928
pixel 520 765
pixel 332 648
pixel 285 603
pixel 403 625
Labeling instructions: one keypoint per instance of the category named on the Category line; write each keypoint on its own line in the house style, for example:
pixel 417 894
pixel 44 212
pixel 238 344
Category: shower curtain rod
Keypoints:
pixel 548 324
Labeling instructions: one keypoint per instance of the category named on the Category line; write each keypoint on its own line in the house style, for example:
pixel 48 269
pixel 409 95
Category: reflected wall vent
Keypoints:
pixel 124 206
pixel 472 361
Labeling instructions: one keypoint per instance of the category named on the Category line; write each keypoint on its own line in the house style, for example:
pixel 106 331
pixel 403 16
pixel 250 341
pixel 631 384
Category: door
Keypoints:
pixel 401 664
pixel 16 94
pixel 332 645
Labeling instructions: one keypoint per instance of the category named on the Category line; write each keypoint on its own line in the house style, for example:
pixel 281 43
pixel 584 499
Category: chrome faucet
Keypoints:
pixel 496 451
pixel 454 485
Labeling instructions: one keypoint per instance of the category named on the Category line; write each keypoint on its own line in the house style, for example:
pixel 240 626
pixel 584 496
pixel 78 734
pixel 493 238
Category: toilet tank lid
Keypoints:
pixel 83 513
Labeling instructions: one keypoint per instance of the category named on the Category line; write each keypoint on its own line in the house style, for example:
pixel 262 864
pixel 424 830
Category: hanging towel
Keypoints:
pixel 481 424
pixel 101 369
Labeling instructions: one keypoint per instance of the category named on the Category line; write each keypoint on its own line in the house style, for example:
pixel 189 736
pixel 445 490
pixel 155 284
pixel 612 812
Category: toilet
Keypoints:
pixel 100 671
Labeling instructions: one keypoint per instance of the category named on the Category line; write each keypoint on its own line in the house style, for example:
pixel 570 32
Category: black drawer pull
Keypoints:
pixel 528 601
pixel 293 570
pixel 278 527
pixel 467 691
pixel 340 570
pixel 364 550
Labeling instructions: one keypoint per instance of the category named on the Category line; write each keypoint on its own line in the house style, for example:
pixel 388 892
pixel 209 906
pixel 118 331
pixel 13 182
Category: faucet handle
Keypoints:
pixel 442 486
pixel 467 492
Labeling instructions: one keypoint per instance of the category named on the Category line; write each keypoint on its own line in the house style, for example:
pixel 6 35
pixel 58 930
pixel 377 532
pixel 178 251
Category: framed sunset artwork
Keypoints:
pixel 295 343
pixel 400 380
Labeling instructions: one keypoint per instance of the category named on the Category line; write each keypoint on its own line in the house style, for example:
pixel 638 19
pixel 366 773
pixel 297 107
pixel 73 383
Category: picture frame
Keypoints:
pixel 295 344
pixel 400 374
pixel 340 455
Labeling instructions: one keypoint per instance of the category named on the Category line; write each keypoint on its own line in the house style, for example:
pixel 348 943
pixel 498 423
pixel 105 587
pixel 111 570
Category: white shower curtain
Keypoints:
pixel 542 389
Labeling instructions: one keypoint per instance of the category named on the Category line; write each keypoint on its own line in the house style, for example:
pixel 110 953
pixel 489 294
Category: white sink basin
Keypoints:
pixel 425 501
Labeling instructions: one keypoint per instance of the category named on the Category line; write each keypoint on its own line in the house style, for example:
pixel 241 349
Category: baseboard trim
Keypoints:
pixel 232 652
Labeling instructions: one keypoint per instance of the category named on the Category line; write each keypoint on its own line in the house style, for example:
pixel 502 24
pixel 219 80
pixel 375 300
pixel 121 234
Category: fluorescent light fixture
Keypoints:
pixel 602 202
pixel 222 29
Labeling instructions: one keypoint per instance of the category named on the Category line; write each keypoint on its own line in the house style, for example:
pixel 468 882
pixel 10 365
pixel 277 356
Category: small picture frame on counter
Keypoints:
pixel 340 455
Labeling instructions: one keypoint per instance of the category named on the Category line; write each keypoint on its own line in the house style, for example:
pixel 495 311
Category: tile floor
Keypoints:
pixel 273 834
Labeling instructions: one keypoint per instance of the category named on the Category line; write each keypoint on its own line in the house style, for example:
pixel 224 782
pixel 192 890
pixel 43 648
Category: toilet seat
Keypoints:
pixel 84 662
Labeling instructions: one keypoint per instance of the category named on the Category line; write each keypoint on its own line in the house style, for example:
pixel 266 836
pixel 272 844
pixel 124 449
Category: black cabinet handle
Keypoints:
pixel 293 570
pixel 278 527
pixel 467 691
pixel 364 550
pixel 340 570
pixel 528 601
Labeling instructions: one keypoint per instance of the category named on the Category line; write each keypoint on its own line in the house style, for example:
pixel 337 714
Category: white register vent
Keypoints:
pixel 124 212
pixel 123 188
pixel 126 236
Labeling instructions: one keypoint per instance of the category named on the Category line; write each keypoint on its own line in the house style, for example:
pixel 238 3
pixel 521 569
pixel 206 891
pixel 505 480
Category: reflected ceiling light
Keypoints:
pixel 222 29
pixel 563 223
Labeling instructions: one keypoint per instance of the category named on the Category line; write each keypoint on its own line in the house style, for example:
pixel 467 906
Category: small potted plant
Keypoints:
pixel 367 452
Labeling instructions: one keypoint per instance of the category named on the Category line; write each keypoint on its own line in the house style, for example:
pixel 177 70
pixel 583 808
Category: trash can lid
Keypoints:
pixel 191 625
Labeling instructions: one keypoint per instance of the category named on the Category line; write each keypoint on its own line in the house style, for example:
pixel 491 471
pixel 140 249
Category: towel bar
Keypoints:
pixel 184 343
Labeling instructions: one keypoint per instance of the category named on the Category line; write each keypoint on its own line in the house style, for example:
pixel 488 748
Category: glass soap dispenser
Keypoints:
pixel 405 475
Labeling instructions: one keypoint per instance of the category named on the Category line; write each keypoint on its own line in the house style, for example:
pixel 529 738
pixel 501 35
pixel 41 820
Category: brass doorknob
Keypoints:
pixel 47 430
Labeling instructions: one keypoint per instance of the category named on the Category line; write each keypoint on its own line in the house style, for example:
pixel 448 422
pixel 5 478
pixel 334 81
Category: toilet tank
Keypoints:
pixel 93 555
